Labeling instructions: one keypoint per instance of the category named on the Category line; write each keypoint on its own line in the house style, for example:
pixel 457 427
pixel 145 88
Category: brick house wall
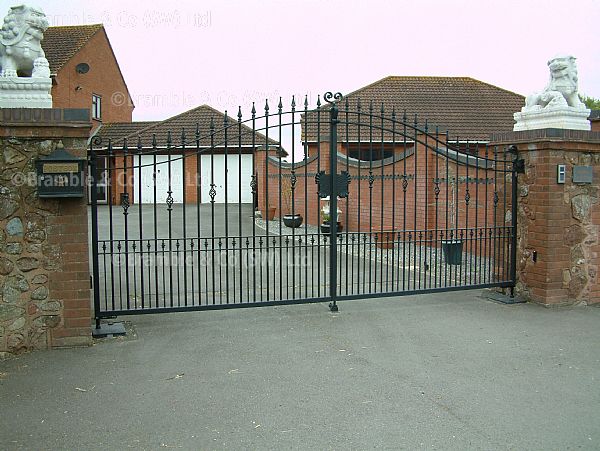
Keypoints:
pixel 74 90
pixel 386 205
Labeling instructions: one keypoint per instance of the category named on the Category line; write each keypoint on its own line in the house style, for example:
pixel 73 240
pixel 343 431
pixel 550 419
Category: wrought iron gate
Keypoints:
pixel 245 212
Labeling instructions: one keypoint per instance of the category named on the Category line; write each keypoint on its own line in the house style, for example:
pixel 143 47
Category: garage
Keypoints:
pixel 160 173
pixel 219 165
pixel 209 160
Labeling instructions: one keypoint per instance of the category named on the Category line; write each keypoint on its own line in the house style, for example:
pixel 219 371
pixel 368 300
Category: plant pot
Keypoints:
pixel 385 239
pixel 452 250
pixel 325 229
pixel 268 214
pixel 292 221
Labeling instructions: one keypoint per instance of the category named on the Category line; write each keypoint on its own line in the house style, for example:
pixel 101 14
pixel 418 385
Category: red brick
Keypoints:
pixel 98 54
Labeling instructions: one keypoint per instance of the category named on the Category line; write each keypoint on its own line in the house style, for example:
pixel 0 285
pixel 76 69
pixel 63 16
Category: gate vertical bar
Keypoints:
pixel 333 198
pixel 94 199
pixel 140 221
pixel 184 161
pixel 125 204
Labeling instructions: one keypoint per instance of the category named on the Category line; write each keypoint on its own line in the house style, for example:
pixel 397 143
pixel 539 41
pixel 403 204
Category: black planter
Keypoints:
pixel 292 221
pixel 326 229
pixel 452 250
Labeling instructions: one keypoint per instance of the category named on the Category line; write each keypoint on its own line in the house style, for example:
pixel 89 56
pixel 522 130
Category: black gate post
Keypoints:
pixel 94 202
pixel 333 219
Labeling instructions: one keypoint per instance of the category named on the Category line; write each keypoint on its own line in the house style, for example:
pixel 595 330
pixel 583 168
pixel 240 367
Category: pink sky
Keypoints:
pixel 178 55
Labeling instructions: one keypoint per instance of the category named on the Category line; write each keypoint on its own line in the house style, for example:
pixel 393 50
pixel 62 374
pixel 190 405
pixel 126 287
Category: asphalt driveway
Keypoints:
pixel 450 371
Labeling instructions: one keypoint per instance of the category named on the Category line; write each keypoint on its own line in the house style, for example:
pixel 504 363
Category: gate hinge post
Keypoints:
pixel 519 166
pixel 518 163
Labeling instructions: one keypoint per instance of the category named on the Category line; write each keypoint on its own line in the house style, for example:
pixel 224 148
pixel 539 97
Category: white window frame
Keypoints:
pixel 96 107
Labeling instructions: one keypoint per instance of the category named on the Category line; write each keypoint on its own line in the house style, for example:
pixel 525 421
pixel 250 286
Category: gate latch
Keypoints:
pixel 342 180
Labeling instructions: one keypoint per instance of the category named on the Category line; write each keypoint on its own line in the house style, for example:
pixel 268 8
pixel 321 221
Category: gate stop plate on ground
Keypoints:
pixel 111 329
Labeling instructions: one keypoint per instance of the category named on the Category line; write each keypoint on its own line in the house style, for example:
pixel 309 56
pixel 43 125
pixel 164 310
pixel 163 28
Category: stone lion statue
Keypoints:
pixel 562 90
pixel 21 53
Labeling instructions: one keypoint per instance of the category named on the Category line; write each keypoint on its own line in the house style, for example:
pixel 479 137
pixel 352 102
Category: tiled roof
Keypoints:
pixel 465 107
pixel 62 43
pixel 200 116
pixel 117 131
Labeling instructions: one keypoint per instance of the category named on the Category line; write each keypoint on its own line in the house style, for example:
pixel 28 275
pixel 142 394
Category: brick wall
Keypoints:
pixel 74 90
pixel 386 205
pixel 44 261
pixel 558 224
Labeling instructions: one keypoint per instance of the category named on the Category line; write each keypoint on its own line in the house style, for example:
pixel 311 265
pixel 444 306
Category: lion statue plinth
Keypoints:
pixel 558 105
pixel 20 41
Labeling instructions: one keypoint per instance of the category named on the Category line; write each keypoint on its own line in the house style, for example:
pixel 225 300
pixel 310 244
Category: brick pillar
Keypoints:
pixel 558 251
pixel 44 259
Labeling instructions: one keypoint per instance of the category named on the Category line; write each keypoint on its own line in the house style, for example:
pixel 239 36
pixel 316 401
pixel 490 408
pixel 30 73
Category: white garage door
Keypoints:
pixel 148 175
pixel 234 182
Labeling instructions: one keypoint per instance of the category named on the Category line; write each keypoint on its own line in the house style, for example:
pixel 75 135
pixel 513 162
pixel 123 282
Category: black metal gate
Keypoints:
pixel 245 212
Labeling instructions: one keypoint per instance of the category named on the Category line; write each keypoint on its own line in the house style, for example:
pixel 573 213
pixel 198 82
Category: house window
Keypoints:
pixel 96 107
pixel 370 154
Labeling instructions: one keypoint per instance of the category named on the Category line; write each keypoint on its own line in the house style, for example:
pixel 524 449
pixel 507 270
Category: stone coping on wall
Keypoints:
pixel 287 165
pixel 278 150
pixel 466 159
pixel 460 158
pixel 44 122
pixel 546 134
pixel 352 162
